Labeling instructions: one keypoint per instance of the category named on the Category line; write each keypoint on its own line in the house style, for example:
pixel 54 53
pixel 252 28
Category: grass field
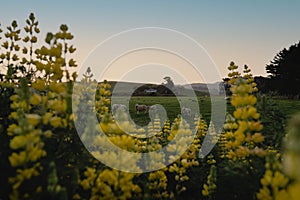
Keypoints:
pixel 288 107
pixel 172 107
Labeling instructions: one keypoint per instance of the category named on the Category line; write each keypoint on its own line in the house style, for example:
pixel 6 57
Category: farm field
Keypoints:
pixel 171 104
pixel 288 107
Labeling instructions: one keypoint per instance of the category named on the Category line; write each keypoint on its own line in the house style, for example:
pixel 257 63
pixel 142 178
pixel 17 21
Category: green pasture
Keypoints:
pixel 288 107
pixel 172 106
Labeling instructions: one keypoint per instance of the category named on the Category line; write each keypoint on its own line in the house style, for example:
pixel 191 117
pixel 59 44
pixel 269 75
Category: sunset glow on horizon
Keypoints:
pixel 249 33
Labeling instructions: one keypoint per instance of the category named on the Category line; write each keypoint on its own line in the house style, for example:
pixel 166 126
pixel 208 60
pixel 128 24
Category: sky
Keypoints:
pixel 246 32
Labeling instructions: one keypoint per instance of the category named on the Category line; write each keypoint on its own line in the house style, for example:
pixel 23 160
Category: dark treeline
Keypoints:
pixel 284 74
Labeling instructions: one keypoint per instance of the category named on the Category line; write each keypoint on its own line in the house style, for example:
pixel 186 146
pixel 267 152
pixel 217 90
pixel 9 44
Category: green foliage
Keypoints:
pixel 273 119
pixel 239 180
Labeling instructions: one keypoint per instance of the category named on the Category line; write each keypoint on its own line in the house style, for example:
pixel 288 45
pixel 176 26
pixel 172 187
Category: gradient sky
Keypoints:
pixel 247 32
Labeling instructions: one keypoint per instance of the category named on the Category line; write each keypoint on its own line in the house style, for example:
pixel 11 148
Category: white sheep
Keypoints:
pixel 153 108
pixel 186 112
pixel 118 107
pixel 153 111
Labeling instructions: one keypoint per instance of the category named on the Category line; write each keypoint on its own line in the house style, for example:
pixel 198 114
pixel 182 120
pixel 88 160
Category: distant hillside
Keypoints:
pixel 145 89
pixel 202 87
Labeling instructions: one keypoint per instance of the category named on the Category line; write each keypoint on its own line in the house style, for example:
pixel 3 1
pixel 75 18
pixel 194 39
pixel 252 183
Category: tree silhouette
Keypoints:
pixel 284 71
pixel 170 83
pixel 88 73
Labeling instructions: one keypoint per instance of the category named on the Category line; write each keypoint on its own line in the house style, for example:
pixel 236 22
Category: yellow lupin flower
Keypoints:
pixel 46 117
pixel 33 119
pixel 242 152
pixel 255 126
pixel 55 121
pixel 294 191
pixel 28 173
pixel 243 143
pixel 48 133
pixel 238 113
pixel 279 180
pixel 18 142
pixel 58 105
pixel 14 128
pixel 229 145
pixel 259 152
pixel 283 195
pixel 205 190
pixel 257 137
pixel 239 136
pixel 264 194
pixel 35 153
pixel 35 99
pixel 274 182
pixel 57 87
pixel 13 115
pixel 39 84
pixel 231 155
pixel 17 159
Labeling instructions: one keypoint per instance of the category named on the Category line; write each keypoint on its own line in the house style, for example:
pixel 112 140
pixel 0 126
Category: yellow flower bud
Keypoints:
pixel 238 113
pixel 13 115
pixel 18 142
pixel 46 118
pixel 231 155
pixel 242 152
pixel 48 133
pixel 39 84
pixel 255 126
pixel 35 154
pixel 257 138
pixel 294 191
pixel 17 159
pixel 55 121
pixel 35 99
pixel 33 119
pixel 57 87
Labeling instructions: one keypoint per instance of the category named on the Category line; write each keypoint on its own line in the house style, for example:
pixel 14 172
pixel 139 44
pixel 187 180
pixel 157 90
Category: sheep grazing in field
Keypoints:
pixel 118 107
pixel 153 108
pixel 186 112
pixel 140 108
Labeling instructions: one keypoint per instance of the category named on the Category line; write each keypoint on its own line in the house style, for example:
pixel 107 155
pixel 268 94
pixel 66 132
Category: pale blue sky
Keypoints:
pixel 247 32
